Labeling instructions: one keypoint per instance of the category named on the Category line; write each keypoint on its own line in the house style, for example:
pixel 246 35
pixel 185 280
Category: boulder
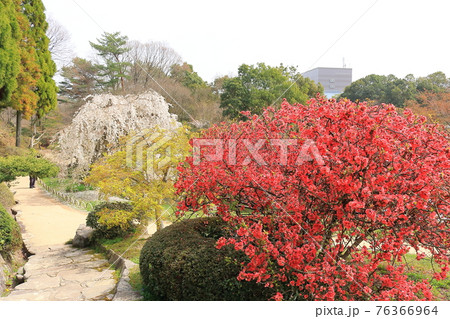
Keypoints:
pixel 83 236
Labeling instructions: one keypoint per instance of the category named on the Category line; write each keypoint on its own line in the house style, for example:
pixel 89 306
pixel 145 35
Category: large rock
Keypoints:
pixel 83 236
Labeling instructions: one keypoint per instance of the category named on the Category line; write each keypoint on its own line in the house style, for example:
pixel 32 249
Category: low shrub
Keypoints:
pixel 6 196
pixel 10 237
pixel 111 219
pixel 181 262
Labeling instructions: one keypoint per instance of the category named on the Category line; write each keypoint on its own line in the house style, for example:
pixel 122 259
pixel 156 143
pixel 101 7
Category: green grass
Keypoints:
pixel 58 184
pixel 92 205
pixel 136 279
pixel 78 187
pixel 418 270
pixel 129 247
pixel 66 185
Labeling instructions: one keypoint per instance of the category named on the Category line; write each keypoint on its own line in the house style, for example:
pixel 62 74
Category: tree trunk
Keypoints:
pixel 35 137
pixel 18 127
pixel 158 218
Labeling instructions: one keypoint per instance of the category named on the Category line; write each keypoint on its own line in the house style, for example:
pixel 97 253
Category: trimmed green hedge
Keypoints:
pixel 181 262
pixel 10 237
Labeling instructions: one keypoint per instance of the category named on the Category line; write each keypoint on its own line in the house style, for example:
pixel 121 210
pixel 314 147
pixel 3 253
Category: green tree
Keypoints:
pixel 80 79
pixel 15 166
pixel 35 89
pixel 435 82
pixel 46 88
pixel 112 48
pixel 9 51
pixel 257 87
pixel 24 98
pixel 381 89
pixel 398 91
pixel 185 75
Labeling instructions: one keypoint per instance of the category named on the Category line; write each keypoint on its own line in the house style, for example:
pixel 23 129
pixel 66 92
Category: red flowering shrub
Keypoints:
pixel 327 197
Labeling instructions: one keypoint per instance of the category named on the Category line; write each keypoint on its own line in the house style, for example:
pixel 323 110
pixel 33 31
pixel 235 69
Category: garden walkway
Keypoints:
pixel 57 271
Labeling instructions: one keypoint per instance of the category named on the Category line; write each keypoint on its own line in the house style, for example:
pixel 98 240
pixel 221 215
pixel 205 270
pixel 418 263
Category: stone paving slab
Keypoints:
pixel 67 274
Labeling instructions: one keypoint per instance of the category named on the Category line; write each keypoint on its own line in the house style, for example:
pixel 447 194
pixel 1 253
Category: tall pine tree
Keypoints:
pixel 112 48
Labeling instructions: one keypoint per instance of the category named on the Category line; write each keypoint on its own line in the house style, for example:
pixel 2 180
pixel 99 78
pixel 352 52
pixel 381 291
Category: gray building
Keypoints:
pixel 333 80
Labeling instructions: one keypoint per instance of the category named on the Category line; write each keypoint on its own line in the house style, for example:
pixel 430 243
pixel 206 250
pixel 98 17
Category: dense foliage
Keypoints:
pixel 27 69
pixel 181 262
pixel 6 196
pixel 14 166
pixel 111 48
pixel 325 214
pixel 389 89
pixel 46 88
pixel 80 79
pixel 112 219
pixel 10 236
pixel 9 51
pixel 433 105
pixel 257 86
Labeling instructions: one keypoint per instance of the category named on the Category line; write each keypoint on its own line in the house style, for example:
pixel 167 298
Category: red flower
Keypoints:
pixel 360 187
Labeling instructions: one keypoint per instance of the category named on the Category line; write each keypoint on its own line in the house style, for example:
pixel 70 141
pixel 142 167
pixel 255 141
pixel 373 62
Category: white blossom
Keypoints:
pixel 99 124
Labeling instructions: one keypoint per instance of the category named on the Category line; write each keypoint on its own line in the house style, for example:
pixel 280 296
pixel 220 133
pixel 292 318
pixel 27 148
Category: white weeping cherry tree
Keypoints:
pixel 103 120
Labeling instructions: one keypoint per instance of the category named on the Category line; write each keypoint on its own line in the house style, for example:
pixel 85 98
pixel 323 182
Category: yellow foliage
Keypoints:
pixel 115 218
pixel 143 168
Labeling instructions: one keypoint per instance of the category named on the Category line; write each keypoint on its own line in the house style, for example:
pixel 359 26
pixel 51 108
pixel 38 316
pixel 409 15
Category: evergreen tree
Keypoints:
pixel 35 92
pixel 46 88
pixel 9 51
pixel 80 79
pixel 112 48
pixel 24 98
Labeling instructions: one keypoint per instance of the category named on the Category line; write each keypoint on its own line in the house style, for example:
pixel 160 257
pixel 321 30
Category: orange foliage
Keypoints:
pixel 24 97
pixel 435 106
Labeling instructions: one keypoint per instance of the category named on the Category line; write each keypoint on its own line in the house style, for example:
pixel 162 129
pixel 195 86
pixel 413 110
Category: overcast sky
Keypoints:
pixel 382 37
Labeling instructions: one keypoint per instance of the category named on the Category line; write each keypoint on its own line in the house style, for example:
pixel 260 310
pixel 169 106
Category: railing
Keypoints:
pixel 66 198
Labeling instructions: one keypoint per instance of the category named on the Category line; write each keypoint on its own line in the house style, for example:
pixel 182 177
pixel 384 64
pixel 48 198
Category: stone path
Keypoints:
pixel 65 273
pixel 57 271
